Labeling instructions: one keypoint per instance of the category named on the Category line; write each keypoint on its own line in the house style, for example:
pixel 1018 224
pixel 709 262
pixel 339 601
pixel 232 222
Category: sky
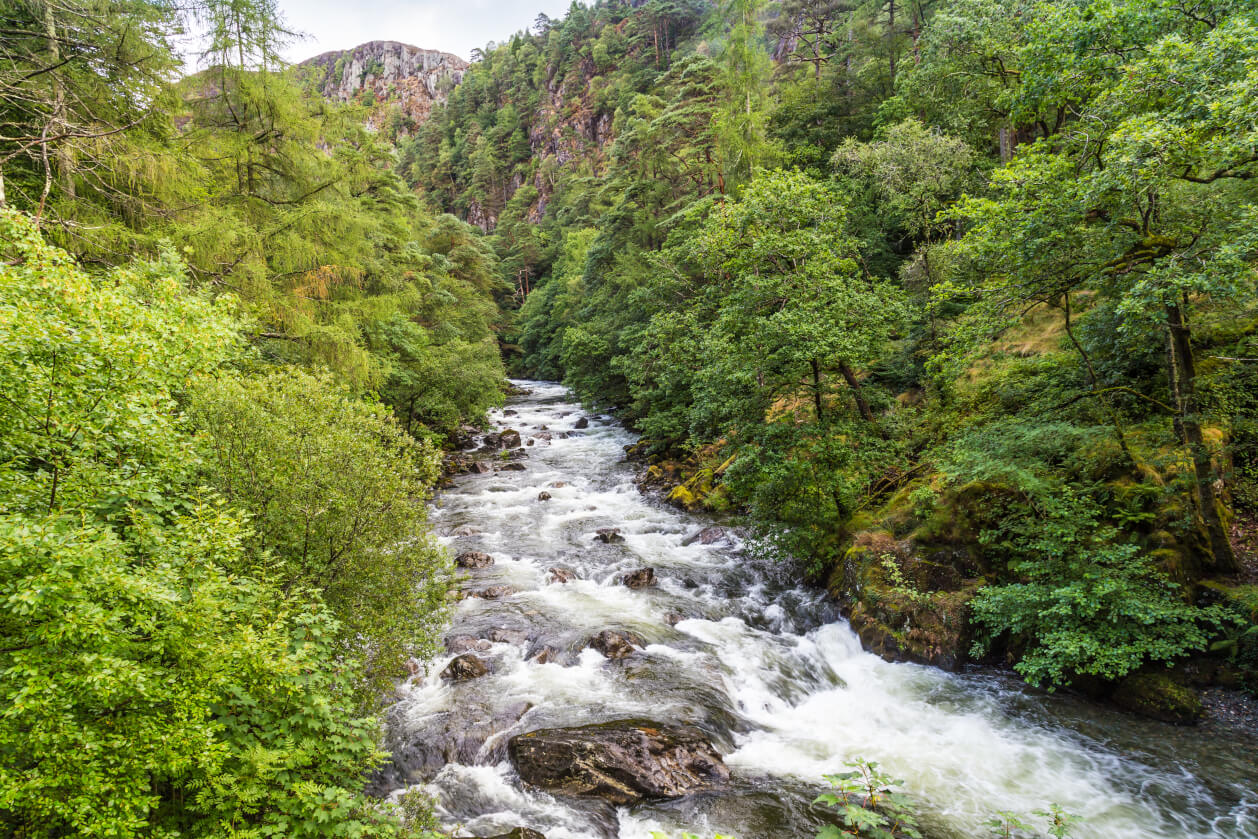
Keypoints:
pixel 455 26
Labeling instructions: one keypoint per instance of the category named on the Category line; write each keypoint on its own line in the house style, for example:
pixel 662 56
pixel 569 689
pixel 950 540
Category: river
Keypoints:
pixel 766 668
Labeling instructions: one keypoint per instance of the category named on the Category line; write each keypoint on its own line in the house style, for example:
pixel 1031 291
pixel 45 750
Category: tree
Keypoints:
pixel 335 490
pixel 1153 207
pixel 153 685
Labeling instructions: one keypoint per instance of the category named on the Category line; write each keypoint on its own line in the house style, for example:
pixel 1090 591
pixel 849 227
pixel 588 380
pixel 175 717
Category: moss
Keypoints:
pixel 1160 697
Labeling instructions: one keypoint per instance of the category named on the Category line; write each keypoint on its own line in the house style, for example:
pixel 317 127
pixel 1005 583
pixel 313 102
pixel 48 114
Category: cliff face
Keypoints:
pixel 400 83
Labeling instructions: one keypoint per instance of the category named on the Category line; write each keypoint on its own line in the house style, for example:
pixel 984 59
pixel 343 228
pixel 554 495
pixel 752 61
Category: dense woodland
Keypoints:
pixel 953 300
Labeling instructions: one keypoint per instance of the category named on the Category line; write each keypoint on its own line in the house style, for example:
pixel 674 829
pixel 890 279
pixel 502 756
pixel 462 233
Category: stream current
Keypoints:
pixel 767 668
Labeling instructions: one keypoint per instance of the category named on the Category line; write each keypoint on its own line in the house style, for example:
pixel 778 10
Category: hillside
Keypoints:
pixel 400 83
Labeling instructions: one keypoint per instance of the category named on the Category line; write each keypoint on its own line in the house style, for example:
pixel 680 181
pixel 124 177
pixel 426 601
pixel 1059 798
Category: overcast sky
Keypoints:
pixel 455 26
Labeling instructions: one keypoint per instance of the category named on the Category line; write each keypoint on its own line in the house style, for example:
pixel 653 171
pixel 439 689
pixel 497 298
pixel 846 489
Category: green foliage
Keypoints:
pixel 155 682
pixel 335 490
pixel 868 805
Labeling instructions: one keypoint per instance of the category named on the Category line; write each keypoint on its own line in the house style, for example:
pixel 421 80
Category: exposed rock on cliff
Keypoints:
pixel 400 82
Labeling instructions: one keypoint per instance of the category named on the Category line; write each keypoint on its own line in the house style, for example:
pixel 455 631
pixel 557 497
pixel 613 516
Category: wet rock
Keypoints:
pixel 508 636
pixel 509 439
pixel 510 412
pixel 530 442
pixel 491 442
pixel 622 762
pixel 674 618
pixel 464 667
pixel 641 578
pixel 607 535
pixel 689 582
pixel 558 484
pixel 581 423
pixel 461 735
pixel 466 643
pixel 478 467
pixel 544 436
pixel 546 655
pixel 1159 696
pixel 562 575
pixel 517 833
pixel 465 437
pixel 615 644
pixel 473 559
pixel 707 536
pixel 543 496
pixel 493 592
pixel 513 467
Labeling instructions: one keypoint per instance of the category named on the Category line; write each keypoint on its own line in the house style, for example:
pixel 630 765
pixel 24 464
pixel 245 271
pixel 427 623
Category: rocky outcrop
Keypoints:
pixel 390 77
pixel 621 762
pixel 1159 696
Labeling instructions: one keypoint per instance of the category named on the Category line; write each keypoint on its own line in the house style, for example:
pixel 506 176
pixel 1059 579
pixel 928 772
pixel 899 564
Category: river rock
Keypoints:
pixel 468 733
pixel 615 644
pixel 473 559
pixel 607 535
pixel 466 643
pixel 478 467
pixel 513 467
pixel 562 575
pixel 464 667
pixel 517 833
pixel 558 484
pixel 543 435
pixel 640 578
pixel 509 439
pixel 581 423
pixel 493 592
pixel 508 636
pixel 707 536
pixel 546 655
pixel 622 762
pixel 510 412
pixel 530 442
pixel 543 496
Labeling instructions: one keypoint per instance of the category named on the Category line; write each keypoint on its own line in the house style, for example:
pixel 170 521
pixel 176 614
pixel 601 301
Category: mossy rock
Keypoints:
pixel 1160 697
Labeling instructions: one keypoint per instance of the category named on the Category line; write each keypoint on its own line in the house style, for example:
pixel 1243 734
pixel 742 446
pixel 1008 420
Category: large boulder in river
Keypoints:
pixel 473 559
pixel 641 578
pixel 509 439
pixel 581 423
pixel 622 762
pixel 464 667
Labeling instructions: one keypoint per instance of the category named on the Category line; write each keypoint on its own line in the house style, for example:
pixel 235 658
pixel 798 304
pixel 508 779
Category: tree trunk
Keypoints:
pixel 857 394
pixel 1183 373
pixel 816 390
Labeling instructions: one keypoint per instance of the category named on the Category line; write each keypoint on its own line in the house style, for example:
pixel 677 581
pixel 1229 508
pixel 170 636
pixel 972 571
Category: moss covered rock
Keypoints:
pixel 1160 697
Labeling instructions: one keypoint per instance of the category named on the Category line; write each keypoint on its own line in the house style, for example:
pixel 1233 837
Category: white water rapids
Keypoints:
pixel 765 667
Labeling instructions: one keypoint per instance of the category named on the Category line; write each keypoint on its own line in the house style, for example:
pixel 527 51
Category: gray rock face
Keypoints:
pixel 387 71
pixel 621 762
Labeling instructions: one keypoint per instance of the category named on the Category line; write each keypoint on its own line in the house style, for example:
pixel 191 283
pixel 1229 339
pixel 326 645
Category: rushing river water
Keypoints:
pixel 766 668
